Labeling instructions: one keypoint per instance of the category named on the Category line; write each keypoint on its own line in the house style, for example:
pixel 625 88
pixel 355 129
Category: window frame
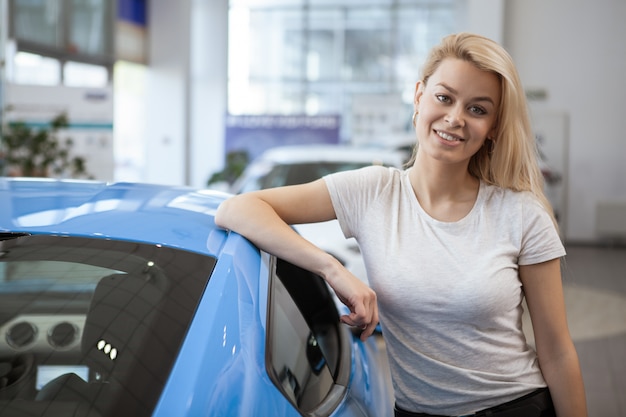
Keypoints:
pixel 63 52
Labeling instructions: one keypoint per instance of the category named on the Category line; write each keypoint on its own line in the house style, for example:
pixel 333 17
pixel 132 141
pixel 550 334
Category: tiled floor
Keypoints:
pixel 595 295
pixel 595 285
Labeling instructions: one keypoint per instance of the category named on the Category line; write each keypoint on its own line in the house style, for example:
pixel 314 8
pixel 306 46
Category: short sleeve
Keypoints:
pixel 351 192
pixel 540 239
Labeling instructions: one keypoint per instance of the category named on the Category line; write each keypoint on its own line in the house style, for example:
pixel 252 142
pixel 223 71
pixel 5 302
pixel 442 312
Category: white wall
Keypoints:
pixel 209 78
pixel 575 50
pixel 167 99
pixel 485 17
pixel 187 81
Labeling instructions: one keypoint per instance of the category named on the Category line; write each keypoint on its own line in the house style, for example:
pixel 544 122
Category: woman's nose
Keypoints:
pixel 455 116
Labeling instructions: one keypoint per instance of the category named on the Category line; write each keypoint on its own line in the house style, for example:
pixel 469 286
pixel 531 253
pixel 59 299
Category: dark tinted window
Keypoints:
pixel 92 326
pixel 292 174
pixel 303 173
pixel 308 356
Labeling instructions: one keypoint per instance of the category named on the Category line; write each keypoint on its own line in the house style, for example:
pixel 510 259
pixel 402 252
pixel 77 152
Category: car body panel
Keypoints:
pixel 241 386
pixel 139 212
pixel 221 366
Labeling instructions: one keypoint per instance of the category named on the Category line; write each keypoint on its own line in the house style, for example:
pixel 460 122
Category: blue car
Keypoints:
pixel 126 300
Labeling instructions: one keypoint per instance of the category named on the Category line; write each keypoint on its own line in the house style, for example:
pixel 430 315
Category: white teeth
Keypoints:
pixel 447 137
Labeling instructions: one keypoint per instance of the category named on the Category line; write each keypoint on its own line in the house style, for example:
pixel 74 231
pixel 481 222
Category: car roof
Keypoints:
pixel 169 215
pixel 329 153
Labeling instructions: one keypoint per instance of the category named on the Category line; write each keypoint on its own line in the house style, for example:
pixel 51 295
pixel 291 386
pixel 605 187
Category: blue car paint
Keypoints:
pixel 371 391
pixel 222 346
pixel 170 216
pixel 221 366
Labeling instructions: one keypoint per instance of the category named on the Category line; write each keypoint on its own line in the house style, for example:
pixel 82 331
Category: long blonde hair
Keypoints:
pixel 511 159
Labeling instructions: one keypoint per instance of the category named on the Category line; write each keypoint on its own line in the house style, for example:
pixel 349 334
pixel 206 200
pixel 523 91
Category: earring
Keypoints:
pixel 414 118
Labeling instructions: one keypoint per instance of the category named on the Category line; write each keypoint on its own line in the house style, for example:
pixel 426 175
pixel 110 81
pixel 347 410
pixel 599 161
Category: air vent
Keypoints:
pixel 62 334
pixel 21 334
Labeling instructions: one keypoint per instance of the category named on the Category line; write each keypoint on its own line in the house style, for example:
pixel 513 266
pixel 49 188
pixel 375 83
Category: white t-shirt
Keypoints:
pixel 449 294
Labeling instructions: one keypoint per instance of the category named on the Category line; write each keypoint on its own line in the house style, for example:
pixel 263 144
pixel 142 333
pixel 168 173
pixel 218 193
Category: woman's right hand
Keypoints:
pixel 358 297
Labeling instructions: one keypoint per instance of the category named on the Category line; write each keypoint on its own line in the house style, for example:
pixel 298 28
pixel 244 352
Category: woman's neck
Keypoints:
pixel 446 192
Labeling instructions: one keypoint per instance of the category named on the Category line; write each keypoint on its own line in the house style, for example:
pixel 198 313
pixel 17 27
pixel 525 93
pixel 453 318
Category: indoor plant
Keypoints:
pixel 39 152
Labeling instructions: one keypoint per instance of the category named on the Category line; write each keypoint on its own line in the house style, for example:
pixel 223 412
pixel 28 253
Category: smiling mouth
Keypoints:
pixel 449 137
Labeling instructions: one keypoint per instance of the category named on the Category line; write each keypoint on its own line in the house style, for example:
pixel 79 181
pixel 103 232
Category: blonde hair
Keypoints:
pixel 512 159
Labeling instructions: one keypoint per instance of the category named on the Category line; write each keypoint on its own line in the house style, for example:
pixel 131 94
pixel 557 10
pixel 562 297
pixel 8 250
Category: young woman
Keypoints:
pixel 452 245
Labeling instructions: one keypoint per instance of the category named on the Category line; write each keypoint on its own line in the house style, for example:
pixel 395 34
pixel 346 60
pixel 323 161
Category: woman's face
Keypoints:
pixel 457 111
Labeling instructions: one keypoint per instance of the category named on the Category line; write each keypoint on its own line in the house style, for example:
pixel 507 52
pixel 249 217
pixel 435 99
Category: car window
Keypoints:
pixel 303 173
pixel 307 352
pixel 295 173
pixel 92 324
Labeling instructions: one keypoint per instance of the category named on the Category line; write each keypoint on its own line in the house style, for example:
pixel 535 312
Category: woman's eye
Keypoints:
pixel 478 110
pixel 443 98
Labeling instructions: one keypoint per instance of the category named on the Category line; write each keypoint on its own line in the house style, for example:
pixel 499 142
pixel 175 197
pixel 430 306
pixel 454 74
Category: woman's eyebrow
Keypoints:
pixel 453 91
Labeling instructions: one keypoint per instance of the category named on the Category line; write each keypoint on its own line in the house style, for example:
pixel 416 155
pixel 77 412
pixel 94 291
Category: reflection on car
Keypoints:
pixel 291 165
pixel 127 300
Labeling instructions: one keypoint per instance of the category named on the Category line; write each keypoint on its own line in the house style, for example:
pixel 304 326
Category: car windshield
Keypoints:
pixel 93 324
pixel 298 173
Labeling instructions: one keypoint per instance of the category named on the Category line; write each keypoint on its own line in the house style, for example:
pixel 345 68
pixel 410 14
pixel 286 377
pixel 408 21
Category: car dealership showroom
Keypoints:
pixel 129 287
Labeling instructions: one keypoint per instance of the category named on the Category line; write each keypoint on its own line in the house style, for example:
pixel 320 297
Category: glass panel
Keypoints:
pixel 36 69
pixel 303 343
pixel 411 42
pixel 419 29
pixel 276 47
pixel 313 59
pixel 91 28
pixel 38 21
pixel 130 88
pixel 266 3
pixel 336 98
pixel 350 3
pixel 442 21
pixel 76 74
pixel 325 44
pixel 329 98
pixel 266 98
pixel 368 51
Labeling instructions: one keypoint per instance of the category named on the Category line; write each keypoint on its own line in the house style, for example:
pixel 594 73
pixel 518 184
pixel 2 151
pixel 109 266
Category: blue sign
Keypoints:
pixel 133 11
pixel 255 134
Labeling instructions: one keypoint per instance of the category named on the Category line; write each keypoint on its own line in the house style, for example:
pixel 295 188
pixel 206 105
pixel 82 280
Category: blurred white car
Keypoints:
pixel 291 165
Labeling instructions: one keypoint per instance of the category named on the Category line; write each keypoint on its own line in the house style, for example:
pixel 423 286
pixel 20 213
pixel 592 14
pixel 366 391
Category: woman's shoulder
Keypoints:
pixel 507 194
pixel 512 200
pixel 384 173
pixel 372 174
pixel 369 183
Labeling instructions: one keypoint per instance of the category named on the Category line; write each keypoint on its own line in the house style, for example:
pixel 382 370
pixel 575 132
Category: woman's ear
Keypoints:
pixel 493 133
pixel 419 90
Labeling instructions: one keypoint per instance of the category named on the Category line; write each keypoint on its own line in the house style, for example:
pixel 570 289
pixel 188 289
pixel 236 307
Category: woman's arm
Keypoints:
pixel 557 356
pixel 263 217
